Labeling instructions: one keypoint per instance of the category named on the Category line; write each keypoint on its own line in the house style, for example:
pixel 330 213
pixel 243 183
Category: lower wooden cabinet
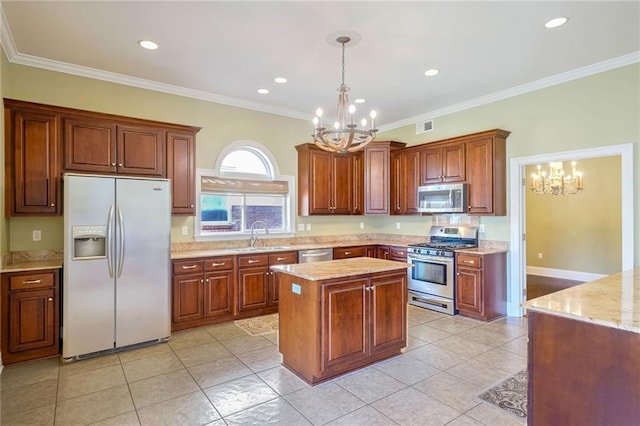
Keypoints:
pixel 348 252
pixel 334 326
pixel 481 285
pixel 203 291
pixel 30 315
pixel 257 285
pixel 399 254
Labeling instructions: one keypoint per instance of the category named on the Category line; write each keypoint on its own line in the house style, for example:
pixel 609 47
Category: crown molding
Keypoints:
pixel 585 71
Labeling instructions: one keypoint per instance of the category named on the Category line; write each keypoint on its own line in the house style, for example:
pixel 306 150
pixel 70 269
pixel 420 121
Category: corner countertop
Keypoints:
pixel 482 250
pixel 31 265
pixel 341 268
pixel 612 301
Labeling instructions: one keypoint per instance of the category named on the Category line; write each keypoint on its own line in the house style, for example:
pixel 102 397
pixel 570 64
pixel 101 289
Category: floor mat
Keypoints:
pixel 259 325
pixel 510 394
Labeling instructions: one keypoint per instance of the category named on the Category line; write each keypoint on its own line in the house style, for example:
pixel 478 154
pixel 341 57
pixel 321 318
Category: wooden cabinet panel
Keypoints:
pixel 469 290
pixel 405 179
pixel 486 172
pixel 442 164
pixel 30 315
pixel 349 252
pixel 345 316
pixel 187 297
pixel 282 258
pixel 218 294
pixel 342 181
pixel 388 310
pixel 31 170
pixel 398 254
pixel 181 169
pixel 320 189
pixel 89 145
pixel 253 288
pixel 141 151
pixel 377 178
pixel 357 172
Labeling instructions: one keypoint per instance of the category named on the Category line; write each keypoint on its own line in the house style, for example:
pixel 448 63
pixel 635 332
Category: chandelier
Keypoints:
pixel 344 136
pixel 555 182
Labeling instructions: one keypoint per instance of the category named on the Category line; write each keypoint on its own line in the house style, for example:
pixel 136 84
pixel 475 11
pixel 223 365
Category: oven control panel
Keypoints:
pixel 425 251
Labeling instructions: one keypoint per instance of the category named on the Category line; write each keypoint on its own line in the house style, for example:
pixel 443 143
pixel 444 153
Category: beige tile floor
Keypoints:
pixel 220 375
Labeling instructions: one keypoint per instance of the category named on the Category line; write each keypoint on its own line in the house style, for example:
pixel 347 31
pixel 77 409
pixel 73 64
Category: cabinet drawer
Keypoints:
pixel 25 282
pixel 469 261
pixel 218 264
pixel 398 253
pixel 283 258
pixel 187 266
pixel 347 252
pixel 253 261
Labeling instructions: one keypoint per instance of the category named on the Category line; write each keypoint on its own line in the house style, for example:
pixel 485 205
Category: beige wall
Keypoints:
pixel 580 232
pixel 4 240
pixel 593 111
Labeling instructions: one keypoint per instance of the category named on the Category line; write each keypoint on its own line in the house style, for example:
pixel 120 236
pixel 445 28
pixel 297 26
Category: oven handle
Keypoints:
pixel 434 259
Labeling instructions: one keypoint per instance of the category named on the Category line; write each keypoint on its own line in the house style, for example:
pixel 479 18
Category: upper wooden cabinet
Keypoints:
pixel 486 173
pixel 181 169
pixel 31 163
pixel 442 164
pixel 405 179
pixel 90 142
pixel 377 176
pixel 103 146
pixel 327 182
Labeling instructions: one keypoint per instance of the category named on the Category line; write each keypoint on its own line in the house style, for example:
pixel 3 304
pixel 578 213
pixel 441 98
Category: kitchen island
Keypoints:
pixel 584 353
pixel 340 315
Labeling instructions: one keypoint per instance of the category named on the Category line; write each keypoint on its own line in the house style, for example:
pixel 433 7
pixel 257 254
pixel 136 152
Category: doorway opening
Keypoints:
pixel 517 187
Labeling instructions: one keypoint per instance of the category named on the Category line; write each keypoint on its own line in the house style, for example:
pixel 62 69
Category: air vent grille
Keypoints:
pixel 424 126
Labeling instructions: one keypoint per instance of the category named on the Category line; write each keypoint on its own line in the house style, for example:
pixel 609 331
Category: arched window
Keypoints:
pixel 244 188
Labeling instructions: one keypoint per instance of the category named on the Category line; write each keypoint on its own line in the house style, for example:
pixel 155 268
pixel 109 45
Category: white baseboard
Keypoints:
pixel 564 274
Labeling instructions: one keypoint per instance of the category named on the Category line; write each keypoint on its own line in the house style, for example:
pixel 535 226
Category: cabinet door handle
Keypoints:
pixel 253 261
pixel 189 267
pixel 191 205
pixel 201 280
pixel 51 299
pixel 32 281
pixel 113 164
pixel 119 164
pixel 347 253
pixel 471 262
pixel 53 205
pixel 281 258
pixel 218 264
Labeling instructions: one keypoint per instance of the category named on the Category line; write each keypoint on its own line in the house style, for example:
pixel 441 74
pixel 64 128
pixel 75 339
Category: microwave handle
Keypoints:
pixel 451 198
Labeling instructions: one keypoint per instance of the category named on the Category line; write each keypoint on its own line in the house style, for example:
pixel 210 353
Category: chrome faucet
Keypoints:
pixel 252 238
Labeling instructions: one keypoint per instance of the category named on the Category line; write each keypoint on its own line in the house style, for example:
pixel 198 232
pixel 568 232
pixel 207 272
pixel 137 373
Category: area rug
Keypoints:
pixel 510 394
pixel 259 325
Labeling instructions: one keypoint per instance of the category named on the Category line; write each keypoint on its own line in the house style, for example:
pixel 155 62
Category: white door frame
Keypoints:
pixel 517 188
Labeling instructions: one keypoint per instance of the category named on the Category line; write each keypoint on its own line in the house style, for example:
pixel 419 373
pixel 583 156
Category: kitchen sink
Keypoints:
pixel 266 248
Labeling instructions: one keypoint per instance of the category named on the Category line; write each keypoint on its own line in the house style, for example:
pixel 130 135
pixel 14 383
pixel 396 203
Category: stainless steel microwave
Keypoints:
pixel 443 198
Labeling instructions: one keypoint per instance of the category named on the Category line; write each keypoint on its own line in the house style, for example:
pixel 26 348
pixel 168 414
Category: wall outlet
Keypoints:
pixel 308 227
pixel 539 255
pixel 185 230
pixel 361 225
pixel 37 235
pixel 397 225
pixel 481 228
pixel 301 227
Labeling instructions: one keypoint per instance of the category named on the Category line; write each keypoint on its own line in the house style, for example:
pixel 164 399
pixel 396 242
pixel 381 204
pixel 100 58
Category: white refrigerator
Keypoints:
pixel 116 272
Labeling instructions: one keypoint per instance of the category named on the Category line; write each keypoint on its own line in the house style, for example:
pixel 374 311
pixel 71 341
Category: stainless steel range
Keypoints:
pixel 432 278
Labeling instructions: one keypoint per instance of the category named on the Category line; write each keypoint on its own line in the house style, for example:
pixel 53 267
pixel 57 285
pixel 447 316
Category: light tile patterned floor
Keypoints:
pixel 220 375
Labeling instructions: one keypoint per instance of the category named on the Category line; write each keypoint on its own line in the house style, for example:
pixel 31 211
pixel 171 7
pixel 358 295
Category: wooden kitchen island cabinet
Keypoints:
pixel 340 315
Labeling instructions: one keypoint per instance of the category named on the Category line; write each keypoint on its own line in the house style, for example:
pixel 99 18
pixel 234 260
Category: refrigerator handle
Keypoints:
pixel 121 225
pixel 109 238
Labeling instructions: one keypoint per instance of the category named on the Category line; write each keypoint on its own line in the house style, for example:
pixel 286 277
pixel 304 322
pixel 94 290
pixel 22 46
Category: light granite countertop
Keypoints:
pixel 612 301
pixel 482 250
pixel 341 268
pixel 31 265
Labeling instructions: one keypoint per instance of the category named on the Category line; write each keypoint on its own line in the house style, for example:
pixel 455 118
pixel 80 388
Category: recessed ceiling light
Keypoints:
pixel 431 72
pixel 263 91
pixel 556 22
pixel 280 80
pixel 360 101
pixel 148 44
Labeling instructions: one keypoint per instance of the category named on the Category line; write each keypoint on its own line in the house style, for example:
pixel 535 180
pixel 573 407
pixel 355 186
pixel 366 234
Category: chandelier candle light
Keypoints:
pixel 556 182
pixel 344 136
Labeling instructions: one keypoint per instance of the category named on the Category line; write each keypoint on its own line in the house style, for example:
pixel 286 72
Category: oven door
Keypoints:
pixel 431 275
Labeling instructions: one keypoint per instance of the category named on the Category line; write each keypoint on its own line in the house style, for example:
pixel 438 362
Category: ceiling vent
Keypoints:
pixel 424 127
